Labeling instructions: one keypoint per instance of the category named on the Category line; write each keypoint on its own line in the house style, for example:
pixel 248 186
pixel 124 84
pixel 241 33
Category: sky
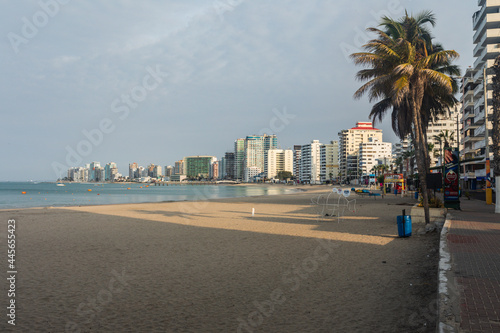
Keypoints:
pixel 154 81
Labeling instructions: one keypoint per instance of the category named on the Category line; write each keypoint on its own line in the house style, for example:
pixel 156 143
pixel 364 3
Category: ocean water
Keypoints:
pixel 76 194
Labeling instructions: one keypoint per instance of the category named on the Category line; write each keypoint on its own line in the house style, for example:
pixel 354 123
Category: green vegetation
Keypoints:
pixel 283 175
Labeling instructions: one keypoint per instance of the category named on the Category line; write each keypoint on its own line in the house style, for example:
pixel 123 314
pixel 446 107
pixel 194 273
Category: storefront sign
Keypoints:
pixel 451 187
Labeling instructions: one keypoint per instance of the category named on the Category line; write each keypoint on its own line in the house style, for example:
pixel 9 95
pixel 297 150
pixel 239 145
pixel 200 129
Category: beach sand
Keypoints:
pixel 209 266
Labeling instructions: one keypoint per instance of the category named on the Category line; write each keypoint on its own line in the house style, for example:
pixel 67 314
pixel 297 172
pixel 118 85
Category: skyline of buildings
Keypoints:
pixel 255 157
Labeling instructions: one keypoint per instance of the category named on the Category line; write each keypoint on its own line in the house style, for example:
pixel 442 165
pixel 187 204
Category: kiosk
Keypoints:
pixel 394 183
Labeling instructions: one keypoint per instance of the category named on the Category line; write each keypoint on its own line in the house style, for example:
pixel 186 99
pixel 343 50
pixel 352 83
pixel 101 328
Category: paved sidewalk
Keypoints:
pixel 474 243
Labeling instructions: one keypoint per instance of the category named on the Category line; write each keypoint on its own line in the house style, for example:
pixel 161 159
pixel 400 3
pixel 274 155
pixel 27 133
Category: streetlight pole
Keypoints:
pixel 489 193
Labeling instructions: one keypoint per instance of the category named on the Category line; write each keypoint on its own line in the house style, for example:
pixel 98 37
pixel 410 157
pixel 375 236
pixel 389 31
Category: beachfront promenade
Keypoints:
pixel 473 240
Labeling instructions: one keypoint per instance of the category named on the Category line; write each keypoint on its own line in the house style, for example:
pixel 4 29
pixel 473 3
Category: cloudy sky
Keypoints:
pixel 154 81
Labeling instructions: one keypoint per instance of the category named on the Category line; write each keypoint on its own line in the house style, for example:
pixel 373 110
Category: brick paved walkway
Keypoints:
pixel 474 244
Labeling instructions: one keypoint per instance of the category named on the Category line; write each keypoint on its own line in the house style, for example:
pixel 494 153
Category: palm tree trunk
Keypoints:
pixel 416 102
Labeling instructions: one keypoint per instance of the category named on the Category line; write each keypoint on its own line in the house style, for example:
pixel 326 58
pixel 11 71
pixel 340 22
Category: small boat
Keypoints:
pixel 60 184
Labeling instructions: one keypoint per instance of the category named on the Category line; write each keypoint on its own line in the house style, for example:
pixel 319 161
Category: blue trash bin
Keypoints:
pixel 404 225
pixel 416 195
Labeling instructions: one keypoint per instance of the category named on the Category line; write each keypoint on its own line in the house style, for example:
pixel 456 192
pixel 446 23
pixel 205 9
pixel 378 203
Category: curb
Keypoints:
pixel 447 317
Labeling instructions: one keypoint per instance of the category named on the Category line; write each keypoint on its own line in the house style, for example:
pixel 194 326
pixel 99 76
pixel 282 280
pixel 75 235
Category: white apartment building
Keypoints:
pixel 399 148
pixel 372 153
pixel 329 157
pixel 486 26
pixel 310 163
pixel 78 174
pixel 447 122
pixel 349 142
pixel 278 160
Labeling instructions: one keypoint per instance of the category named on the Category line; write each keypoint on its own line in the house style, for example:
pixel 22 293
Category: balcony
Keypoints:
pixel 472 139
pixel 471 126
pixel 490 51
pixel 476 18
pixel 479 145
pixel 490 36
pixel 478 76
pixel 468 151
pixel 479 118
pixel 468 99
pixel 487 22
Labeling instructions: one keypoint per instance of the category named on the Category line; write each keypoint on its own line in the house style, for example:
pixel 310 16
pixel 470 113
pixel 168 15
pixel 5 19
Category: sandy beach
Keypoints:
pixel 209 266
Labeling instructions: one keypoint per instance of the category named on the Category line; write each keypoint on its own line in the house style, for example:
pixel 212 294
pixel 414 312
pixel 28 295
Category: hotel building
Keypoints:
pixel 349 143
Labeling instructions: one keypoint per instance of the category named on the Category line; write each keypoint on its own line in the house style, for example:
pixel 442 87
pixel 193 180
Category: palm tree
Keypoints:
pixel 447 137
pixel 439 139
pixel 408 74
pixel 430 149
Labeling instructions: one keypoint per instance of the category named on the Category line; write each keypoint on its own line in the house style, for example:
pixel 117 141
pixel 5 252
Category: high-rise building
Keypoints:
pixel 98 174
pixel 254 151
pixel 270 142
pixel 239 159
pixel 401 147
pixel 154 171
pixel 198 166
pixel 349 141
pixel 486 23
pixel 469 125
pixel 297 150
pixel 157 171
pixel 133 171
pixel 310 163
pixel 93 167
pixel 179 168
pixel 279 160
pixel 329 156
pixel 229 166
pixel 214 170
pixel 251 152
pixel 78 174
pixel 169 171
pixel 142 172
pixel 108 171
